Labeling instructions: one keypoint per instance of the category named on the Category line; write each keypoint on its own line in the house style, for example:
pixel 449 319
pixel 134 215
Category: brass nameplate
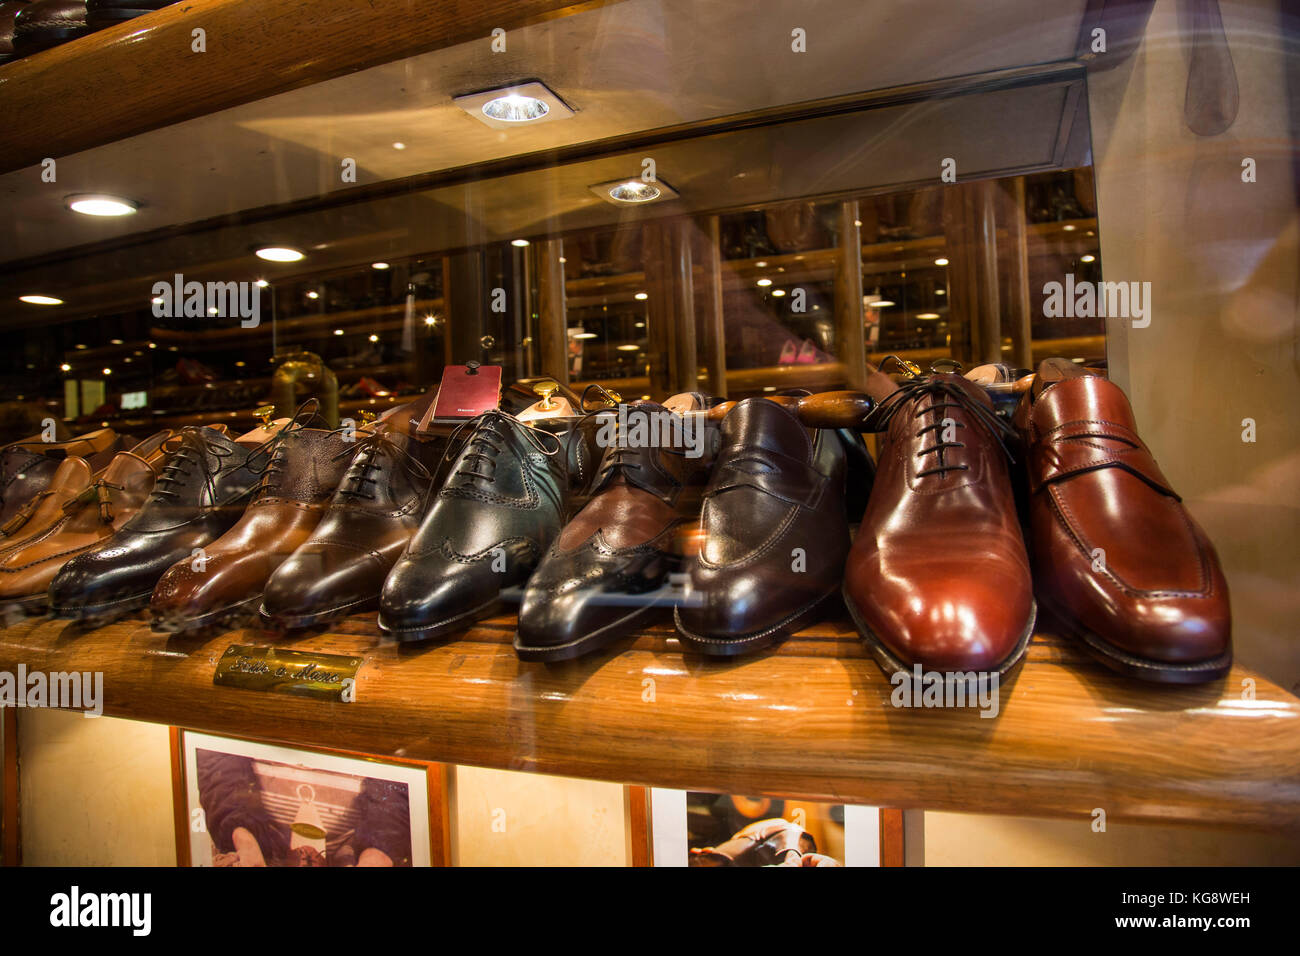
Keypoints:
pixel 300 673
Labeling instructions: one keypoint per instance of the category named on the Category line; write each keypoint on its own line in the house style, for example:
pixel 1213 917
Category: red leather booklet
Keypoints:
pixel 467 390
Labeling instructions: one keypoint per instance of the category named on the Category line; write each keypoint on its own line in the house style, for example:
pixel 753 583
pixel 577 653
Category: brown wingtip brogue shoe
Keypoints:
pixel 938 576
pixel 1117 557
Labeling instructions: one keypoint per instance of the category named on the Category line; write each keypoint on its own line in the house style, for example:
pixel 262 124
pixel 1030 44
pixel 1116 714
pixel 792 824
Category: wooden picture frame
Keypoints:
pixel 435 777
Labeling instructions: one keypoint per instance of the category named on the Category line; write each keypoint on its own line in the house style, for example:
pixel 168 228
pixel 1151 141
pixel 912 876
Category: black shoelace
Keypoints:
pixel 367 456
pixel 946 395
pixel 189 449
pixel 481 448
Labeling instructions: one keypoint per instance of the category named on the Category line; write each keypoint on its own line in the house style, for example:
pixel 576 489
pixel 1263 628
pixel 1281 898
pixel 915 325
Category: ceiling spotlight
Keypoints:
pixel 379 265
pixel 261 283
pixel 857 223
pixel 761 264
pixel 313 294
pixel 399 146
pixel 585 335
pixel 519 243
pixel 1088 258
pixel 628 348
pixel 374 338
pixel 65 367
pixel 115 341
pixel 280 254
pixel 778 292
pixel 338 331
pixel 634 191
pixel 153 345
pixel 640 325
pixel 641 296
pixel 764 282
pixel 1067 227
pixel 927 315
pixel 940 262
pixel 511 106
pixel 157 300
pixel 94 204
pixel 108 371
pixel 429 320
pixel 40 300
pixel 940 291
pixel 80 345
pixel 213 311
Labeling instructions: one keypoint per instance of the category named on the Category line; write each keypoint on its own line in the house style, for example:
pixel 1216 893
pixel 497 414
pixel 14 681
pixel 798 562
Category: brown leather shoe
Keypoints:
pixel 938 574
pixel 606 571
pixel 1117 557
pixel 27 466
pixel 104 504
pixel 301 477
pixel 775 531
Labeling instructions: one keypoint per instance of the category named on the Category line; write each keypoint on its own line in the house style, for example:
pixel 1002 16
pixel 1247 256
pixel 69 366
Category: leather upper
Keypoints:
pixel 775 531
pixel 938 573
pixel 1114 547
pixel 26 467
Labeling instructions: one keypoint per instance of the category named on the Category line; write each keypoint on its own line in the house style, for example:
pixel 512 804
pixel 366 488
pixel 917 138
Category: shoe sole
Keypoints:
pixel 891 664
pixel 1143 668
pixel 221 617
pixel 98 614
pixel 427 632
pixel 30 605
pixel 757 641
pixel 549 653
pixel 296 622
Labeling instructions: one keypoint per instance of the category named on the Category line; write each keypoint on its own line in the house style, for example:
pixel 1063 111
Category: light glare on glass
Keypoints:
pixel 634 191
pixel 515 108
pixel 40 300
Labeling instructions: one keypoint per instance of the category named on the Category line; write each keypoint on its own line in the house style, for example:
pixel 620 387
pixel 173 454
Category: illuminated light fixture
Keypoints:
pixel 519 243
pixel 1088 258
pixel 153 345
pixel 509 107
pixel 857 223
pixel 634 191
pixel 628 348
pixel 338 331
pixel 1067 228
pixel 769 388
pixel 761 264
pixel 379 265
pixel 927 315
pixel 98 204
pixel 240 364
pixel 213 311
pixel 585 335
pixel 80 345
pixel 563 260
pixel 313 294
pixel 641 296
pixel 65 367
pixel 399 146
pixel 882 304
pixel 40 300
pixel 280 254
pixel 429 320
pixel 640 325
pixel 940 262
pixel 778 292
pixel 108 371
pixel 261 283
pixel 940 291
pixel 374 338
pixel 764 282
pixel 115 341
pixel 157 300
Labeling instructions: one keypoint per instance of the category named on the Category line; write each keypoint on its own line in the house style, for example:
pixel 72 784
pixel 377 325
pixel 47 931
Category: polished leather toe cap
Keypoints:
pixel 322 581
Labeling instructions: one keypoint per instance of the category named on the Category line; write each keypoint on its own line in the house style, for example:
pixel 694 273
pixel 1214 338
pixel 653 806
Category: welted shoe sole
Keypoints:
pixel 427 632
pixel 587 643
pixel 725 646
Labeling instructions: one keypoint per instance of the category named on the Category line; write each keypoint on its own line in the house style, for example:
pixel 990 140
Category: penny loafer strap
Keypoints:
pixel 1077 447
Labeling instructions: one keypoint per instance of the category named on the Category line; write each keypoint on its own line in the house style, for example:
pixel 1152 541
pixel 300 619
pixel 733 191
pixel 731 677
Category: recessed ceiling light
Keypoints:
pixel 115 341
pixel 108 371
pixel 857 223
pixel 429 320
pixel 213 311
pixel 641 296
pixel 927 315
pixel 640 325
pixel 153 345
pixel 40 300
pixel 940 291
pixel 513 106
pixel 261 283
pixel 240 364
pixel 1068 228
pixel 563 260
pixel 66 367
pixel 80 345
pixel 98 204
pixel 769 388
pixel 280 254
pixel 313 294
pixel 634 191
pixel 764 282
pixel 399 146
pixel 941 262
pixel 1088 258
pixel 374 338
pixel 379 265
pixel 761 263
pixel 881 304
pixel 338 331
pixel 519 243
pixel 628 348
pixel 778 292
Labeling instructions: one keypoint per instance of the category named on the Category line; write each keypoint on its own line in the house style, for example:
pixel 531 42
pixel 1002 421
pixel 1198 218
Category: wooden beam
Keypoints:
pixel 708 308
pixel 552 347
pixel 987 343
pixel 891 838
pixel 143 74
pixel 684 370
pixel 1015 269
pixel 850 337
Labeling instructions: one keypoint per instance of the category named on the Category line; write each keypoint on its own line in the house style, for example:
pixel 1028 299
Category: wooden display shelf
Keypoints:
pixel 811 718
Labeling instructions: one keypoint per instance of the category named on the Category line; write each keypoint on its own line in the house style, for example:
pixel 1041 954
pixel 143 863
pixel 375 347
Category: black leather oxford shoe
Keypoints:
pixel 492 520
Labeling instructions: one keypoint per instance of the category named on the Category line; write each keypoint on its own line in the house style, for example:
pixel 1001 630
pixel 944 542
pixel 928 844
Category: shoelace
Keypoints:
pixel 483 430
pixel 189 448
pixel 947 395
pixel 274 449
pixel 364 453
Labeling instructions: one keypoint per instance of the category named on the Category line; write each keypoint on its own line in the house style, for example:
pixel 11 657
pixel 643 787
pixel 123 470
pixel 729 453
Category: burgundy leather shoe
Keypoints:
pixel 938 575
pixel 1117 557
pixel 47 23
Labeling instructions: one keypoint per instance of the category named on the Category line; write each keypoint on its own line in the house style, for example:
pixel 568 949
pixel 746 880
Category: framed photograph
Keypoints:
pixel 242 803
pixel 695 828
